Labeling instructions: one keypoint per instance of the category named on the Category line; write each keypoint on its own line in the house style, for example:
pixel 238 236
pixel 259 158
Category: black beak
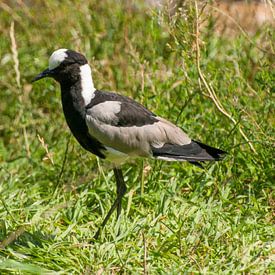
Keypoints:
pixel 46 73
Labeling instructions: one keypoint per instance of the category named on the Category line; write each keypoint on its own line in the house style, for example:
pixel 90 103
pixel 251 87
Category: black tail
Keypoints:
pixel 192 152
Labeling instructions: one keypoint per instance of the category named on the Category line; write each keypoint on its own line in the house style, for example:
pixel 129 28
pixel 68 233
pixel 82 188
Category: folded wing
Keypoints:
pixel 125 126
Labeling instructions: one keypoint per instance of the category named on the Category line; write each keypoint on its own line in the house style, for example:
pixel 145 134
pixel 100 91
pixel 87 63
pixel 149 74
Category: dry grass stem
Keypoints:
pixel 49 156
pixel 15 55
pixel 210 89
pixel 27 145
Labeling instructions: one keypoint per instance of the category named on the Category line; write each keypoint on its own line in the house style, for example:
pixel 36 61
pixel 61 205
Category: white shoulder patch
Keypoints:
pixel 87 83
pixel 56 58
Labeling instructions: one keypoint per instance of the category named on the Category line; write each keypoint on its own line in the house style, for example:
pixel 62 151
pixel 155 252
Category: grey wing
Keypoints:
pixel 128 127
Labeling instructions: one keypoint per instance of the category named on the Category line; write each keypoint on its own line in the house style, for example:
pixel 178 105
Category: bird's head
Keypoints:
pixel 64 66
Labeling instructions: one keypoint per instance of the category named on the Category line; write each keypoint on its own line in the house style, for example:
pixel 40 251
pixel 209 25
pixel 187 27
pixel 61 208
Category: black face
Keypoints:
pixel 68 70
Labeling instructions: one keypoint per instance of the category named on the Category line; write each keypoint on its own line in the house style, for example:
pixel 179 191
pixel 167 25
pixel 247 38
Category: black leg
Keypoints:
pixel 121 190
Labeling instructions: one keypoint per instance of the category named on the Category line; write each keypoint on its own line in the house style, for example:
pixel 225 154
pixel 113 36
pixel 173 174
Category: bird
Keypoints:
pixel 116 128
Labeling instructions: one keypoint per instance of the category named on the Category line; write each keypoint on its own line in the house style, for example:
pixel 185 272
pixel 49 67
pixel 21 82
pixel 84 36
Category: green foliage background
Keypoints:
pixel 177 218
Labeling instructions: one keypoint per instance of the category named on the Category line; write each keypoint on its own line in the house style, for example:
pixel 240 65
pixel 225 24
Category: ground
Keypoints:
pixel 177 217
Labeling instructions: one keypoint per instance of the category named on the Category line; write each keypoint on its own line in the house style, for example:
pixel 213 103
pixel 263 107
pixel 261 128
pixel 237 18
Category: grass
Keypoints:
pixel 177 218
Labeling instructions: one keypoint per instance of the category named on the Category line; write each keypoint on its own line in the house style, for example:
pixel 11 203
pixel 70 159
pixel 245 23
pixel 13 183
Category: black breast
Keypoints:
pixel 75 112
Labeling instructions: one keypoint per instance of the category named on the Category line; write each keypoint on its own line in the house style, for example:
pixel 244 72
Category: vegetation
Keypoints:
pixel 177 218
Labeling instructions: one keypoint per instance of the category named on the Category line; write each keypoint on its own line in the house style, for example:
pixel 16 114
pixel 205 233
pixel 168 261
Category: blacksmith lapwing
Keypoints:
pixel 115 127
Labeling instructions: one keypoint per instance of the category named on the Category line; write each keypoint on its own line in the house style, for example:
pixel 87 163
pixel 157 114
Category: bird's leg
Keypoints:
pixel 121 189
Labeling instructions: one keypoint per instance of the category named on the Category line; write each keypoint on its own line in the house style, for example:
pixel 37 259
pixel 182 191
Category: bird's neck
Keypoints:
pixel 81 91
